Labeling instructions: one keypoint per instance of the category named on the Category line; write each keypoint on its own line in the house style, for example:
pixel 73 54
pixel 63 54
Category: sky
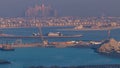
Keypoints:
pixel 17 8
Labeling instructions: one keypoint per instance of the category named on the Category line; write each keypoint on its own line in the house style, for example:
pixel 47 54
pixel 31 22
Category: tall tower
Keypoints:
pixel 41 10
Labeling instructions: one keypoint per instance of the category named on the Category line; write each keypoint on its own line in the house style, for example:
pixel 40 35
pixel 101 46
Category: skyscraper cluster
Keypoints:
pixel 40 11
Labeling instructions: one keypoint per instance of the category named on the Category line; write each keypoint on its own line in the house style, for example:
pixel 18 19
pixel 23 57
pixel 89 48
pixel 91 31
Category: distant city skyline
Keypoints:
pixel 40 11
pixel 17 8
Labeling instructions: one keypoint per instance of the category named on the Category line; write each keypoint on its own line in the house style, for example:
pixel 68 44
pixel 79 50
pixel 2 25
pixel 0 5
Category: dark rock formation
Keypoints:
pixel 84 66
pixel 4 62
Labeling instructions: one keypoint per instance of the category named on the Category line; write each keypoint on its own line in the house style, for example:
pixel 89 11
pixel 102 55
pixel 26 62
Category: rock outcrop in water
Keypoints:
pixel 112 46
pixel 4 62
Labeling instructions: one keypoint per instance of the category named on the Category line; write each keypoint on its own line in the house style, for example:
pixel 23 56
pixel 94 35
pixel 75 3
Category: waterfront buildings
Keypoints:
pixel 88 22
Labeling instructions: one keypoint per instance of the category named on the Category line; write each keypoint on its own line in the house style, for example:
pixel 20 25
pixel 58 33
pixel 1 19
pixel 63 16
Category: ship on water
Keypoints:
pixel 52 34
pixel 55 35
pixel 6 47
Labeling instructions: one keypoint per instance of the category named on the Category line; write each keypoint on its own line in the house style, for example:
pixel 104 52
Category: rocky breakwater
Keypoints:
pixel 111 47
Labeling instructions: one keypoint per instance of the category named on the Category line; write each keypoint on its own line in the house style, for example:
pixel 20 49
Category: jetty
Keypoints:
pixel 74 36
pixel 21 45
pixel 47 44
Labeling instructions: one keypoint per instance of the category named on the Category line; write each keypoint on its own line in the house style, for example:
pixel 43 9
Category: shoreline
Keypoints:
pixel 34 27
pixel 90 29
pixel 72 29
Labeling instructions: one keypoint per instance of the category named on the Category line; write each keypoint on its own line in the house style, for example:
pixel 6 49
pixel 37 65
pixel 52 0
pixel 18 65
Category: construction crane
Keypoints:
pixel 109 32
pixel 44 42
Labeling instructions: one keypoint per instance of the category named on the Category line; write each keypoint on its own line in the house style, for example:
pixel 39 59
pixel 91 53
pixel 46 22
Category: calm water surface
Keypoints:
pixel 24 57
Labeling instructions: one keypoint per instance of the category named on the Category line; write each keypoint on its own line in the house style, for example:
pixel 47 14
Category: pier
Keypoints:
pixel 22 45
pixel 40 36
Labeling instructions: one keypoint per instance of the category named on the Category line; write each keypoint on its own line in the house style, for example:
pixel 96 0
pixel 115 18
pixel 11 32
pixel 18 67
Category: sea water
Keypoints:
pixel 25 57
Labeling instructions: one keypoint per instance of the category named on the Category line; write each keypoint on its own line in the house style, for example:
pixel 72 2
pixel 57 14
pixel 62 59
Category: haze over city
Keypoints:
pixel 17 8
pixel 59 33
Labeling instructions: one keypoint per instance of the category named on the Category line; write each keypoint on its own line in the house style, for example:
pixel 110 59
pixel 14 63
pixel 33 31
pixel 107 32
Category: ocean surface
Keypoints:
pixel 25 57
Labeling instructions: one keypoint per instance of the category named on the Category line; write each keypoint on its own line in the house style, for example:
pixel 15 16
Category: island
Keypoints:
pixel 111 47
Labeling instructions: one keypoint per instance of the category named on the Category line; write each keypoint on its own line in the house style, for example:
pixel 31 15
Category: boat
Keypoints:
pixel 36 34
pixel 7 48
pixel 54 34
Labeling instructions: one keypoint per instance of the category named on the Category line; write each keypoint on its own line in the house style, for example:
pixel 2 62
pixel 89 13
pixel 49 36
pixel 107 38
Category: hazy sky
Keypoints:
pixel 64 7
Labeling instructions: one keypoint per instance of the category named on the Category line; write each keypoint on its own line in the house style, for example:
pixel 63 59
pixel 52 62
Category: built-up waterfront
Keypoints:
pixel 86 22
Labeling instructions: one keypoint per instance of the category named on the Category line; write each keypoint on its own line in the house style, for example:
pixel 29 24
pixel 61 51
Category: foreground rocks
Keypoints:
pixel 110 47
pixel 4 62
pixel 85 66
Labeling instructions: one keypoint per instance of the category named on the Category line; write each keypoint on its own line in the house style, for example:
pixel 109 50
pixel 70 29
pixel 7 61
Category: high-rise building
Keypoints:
pixel 40 11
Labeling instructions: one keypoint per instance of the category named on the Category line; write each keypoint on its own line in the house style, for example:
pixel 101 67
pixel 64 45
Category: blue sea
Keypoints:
pixel 25 57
